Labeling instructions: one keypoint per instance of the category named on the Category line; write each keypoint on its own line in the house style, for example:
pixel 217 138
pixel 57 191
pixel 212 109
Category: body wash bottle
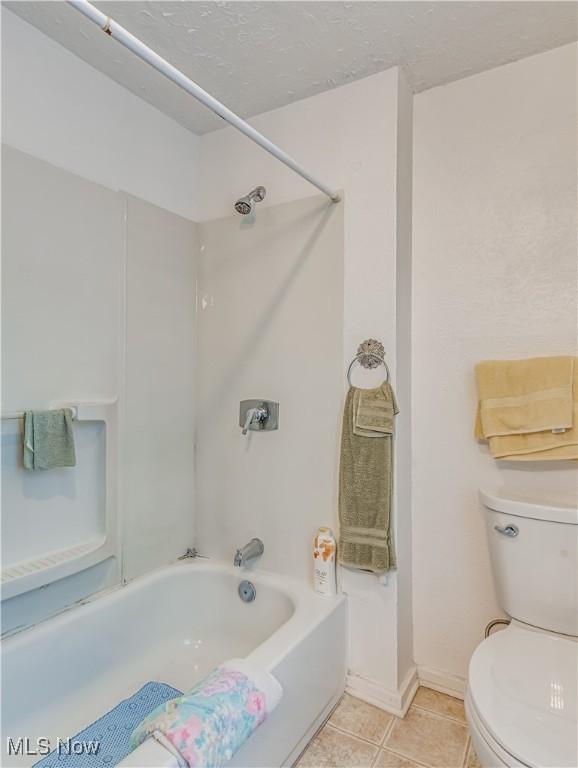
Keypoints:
pixel 324 548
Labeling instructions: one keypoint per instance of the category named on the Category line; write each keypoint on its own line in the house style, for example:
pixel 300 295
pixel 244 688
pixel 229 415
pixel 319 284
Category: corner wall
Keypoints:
pixel 349 137
pixel 495 276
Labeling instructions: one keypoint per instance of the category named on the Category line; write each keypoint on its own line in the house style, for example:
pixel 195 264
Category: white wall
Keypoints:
pixel 403 305
pixel 62 293
pixel 349 137
pixel 494 277
pixel 63 282
pixel 58 108
pixel 98 304
pixel 157 513
pixel 270 325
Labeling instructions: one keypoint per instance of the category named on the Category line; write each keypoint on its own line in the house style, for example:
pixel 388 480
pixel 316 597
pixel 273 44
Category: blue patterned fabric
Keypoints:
pixel 112 731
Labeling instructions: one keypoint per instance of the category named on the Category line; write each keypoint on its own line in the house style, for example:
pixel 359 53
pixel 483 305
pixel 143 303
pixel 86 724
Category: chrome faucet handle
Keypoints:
pixel 259 413
pixel 250 416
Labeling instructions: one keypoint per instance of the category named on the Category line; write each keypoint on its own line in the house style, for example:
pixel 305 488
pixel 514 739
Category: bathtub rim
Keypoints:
pixel 309 608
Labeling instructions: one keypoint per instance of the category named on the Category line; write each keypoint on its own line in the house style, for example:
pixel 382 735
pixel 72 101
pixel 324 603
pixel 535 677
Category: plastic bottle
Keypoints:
pixel 324 548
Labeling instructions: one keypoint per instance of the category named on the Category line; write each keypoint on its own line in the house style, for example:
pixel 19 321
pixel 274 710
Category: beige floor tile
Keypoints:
pixel 440 703
pixel 334 749
pixel 429 739
pixel 473 760
pixel 387 759
pixel 361 719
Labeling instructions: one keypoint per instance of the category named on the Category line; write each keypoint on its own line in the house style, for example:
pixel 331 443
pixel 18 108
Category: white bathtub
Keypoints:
pixel 173 626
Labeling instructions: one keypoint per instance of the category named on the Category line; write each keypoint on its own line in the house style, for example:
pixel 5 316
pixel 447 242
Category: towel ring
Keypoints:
pixel 370 354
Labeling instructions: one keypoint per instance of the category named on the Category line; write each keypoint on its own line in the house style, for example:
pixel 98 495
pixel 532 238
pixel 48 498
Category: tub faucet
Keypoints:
pixel 250 551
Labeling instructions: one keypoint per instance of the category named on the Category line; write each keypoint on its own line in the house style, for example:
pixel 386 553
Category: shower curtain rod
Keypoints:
pixel 145 53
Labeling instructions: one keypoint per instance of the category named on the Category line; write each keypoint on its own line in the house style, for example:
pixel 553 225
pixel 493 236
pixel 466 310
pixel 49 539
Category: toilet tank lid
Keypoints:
pixel 555 509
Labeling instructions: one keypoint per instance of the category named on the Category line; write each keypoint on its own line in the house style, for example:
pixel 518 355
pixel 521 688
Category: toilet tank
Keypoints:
pixel 534 552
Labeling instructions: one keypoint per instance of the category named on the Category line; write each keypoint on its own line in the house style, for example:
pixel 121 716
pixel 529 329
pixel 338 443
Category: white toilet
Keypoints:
pixel 522 681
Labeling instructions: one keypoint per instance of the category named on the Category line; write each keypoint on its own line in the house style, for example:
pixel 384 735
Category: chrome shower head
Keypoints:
pixel 246 205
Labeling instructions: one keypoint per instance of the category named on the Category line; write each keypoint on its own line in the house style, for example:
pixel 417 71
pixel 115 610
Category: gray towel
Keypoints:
pixel 48 439
pixel 365 487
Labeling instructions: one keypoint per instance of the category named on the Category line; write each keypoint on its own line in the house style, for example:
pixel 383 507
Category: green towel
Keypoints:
pixel 365 487
pixel 373 411
pixel 48 439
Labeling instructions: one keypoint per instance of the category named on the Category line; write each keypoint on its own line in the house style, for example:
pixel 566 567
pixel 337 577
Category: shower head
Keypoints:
pixel 246 205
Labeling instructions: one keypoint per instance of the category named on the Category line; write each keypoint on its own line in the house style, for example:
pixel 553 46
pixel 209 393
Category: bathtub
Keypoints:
pixel 173 626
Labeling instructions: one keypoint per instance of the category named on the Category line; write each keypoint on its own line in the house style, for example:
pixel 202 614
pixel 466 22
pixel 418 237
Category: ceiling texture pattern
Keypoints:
pixel 257 56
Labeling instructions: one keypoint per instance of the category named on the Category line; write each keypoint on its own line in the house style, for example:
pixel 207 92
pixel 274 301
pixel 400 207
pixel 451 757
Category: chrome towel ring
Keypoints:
pixel 370 354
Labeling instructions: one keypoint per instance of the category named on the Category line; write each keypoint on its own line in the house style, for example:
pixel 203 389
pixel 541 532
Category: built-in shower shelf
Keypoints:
pixel 62 558
pixel 30 574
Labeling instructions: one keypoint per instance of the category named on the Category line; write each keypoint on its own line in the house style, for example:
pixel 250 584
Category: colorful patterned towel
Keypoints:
pixel 207 725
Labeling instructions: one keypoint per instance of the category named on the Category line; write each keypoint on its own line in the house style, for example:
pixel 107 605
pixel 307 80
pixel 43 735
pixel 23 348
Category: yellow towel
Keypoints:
pixel 528 409
pixel 521 396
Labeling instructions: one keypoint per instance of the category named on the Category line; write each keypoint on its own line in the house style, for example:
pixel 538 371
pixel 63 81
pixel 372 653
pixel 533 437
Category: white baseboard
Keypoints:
pixel 444 682
pixel 395 702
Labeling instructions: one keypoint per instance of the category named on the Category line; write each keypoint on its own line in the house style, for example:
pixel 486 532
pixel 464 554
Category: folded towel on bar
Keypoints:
pixel 541 411
pixel 49 439
pixel 365 487
pixel 207 725
pixel 374 410
pixel 520 396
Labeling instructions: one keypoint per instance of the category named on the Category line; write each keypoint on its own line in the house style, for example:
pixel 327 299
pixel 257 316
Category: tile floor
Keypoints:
pixel 433 734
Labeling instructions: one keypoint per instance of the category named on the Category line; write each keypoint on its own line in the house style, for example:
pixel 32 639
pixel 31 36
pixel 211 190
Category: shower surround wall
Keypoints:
pixel 494 277
pixel 357 137
pixel 98 305
pixel 58 109
pixel 270 319
pixel 62 289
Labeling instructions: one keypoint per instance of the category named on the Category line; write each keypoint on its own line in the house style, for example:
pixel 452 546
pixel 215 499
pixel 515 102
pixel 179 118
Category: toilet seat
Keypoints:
pixel 522 689
pixel 489 752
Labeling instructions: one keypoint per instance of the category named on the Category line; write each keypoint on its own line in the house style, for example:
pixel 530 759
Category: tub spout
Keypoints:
pixel 250 551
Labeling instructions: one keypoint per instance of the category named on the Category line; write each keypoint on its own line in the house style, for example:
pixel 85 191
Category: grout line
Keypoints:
pixel 440 714
pixel 374 761
pixel 441 717
pixel 405 757
pixel 389 729
pixel 353 735
pixel 467 754
pixel 465 760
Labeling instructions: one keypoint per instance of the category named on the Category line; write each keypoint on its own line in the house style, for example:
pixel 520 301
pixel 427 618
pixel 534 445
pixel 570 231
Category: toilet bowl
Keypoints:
pixel 521 701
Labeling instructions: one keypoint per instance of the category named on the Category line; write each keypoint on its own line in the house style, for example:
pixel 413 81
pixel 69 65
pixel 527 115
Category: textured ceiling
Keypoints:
pixel 256 56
